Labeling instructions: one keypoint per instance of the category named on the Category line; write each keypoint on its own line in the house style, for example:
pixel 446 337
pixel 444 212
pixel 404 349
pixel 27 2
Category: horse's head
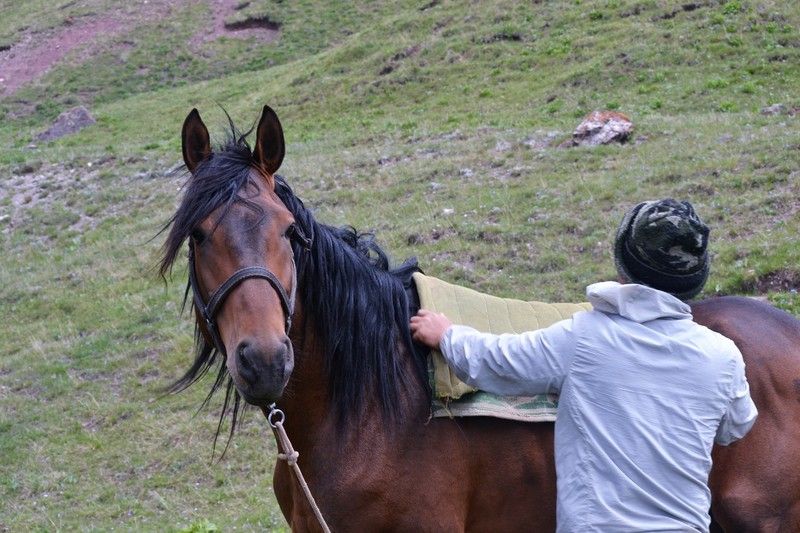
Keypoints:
pixel 241 264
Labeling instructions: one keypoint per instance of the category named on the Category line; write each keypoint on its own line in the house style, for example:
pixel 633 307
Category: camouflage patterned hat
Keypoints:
pixel 664 245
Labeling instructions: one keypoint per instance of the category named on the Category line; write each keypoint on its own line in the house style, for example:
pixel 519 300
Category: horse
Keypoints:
pixel 313 318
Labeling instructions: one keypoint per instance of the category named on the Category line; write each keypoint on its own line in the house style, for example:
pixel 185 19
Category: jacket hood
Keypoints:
pixel 635 302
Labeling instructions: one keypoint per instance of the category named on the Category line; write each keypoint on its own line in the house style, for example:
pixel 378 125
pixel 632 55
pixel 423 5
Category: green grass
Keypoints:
pixel 434 124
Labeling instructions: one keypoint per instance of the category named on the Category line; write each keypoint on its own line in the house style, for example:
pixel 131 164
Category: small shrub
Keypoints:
pixel 201 526
pixel 717 83
pixel 735 41
pixel 749 88
pixel 731 8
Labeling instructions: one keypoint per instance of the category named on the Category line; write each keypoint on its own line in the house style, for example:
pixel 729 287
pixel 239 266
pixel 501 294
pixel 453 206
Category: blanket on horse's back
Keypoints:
pixel 462 305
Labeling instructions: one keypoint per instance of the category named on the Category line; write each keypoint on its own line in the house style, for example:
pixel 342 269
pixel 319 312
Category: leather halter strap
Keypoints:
pixel 209 311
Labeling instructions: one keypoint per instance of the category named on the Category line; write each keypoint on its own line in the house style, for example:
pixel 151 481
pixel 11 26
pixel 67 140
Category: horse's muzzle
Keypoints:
pixel 262 370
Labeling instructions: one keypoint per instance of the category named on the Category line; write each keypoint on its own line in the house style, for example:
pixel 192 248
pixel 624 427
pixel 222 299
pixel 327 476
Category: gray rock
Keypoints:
pixel 67 123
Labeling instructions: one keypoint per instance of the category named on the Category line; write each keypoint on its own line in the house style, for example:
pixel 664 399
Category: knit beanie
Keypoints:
pixel 664 245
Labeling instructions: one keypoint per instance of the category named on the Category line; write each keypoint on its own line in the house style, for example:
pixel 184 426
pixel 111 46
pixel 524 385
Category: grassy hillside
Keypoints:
pixel 434 123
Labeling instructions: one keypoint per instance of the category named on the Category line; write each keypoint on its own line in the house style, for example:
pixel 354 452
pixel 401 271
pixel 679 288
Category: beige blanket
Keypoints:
pixel 485 313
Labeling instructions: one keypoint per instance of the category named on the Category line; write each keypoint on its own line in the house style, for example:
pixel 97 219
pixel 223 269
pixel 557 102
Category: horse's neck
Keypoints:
pixel 311 420
pixel 307 394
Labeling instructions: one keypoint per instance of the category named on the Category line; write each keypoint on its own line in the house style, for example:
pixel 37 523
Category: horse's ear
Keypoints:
pixel 269 150
pixel 196 142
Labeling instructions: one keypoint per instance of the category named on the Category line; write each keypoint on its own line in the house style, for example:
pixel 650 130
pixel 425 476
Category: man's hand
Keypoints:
pixel 429 328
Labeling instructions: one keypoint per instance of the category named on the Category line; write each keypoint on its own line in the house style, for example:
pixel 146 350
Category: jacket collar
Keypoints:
pixel 636 302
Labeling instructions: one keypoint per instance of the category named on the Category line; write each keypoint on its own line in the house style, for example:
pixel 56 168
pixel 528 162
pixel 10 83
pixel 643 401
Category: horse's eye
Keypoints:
pixel 291 231
pixel 197 236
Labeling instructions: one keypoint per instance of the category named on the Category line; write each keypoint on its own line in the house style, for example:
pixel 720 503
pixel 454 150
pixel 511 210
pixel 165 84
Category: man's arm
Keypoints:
pixel 741 413
pixel 529 363
pixel 428 327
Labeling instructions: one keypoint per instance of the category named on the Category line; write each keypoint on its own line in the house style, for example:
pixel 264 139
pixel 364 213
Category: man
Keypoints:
pixel 644 390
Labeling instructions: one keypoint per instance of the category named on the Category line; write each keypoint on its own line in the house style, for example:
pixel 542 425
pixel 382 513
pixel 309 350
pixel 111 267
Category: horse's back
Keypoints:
pixel 756 482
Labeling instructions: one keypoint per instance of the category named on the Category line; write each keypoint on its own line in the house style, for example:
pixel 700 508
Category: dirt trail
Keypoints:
pixel 36 53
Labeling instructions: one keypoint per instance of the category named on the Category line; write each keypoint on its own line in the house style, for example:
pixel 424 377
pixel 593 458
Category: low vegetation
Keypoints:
pixel 435 124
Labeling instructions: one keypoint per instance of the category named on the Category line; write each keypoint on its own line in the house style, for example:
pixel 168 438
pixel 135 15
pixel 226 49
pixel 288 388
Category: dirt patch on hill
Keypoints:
pixel 36 52
pixel 785 280
pixel 262 29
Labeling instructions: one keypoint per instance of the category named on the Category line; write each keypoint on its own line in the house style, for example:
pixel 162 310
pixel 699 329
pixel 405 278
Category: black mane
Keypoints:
pixel 358 304
pixel 360 308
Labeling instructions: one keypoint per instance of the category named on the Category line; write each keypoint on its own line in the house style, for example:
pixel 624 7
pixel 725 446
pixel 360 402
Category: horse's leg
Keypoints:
pixel 755 482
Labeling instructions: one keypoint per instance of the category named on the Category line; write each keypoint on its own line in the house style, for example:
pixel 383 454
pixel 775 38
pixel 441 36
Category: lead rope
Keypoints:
pixel 290 456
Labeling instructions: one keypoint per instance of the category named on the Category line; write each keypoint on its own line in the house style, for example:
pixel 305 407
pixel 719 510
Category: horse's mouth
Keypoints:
pixel 258 401
pixel 262 394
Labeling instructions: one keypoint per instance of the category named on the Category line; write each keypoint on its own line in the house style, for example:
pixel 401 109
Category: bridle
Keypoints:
pixel 208 311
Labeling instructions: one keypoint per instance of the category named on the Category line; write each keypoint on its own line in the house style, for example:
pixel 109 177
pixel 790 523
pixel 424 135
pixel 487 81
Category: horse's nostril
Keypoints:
pixel 244 363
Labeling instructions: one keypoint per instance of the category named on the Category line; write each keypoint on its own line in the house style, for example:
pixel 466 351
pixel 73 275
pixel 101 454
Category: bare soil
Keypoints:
pixel 36 52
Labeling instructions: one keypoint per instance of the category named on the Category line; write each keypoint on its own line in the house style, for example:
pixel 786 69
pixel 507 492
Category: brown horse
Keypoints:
pixel 311 317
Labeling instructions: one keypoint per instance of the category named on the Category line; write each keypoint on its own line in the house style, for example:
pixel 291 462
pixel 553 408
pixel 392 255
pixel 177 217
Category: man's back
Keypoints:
pixel 639 411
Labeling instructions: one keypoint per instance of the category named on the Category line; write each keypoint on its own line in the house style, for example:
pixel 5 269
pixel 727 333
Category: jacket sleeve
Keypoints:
pixel 741 413
pixel 525 364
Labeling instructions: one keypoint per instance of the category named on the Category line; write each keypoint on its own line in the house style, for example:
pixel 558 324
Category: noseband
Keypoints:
pixel 209 311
